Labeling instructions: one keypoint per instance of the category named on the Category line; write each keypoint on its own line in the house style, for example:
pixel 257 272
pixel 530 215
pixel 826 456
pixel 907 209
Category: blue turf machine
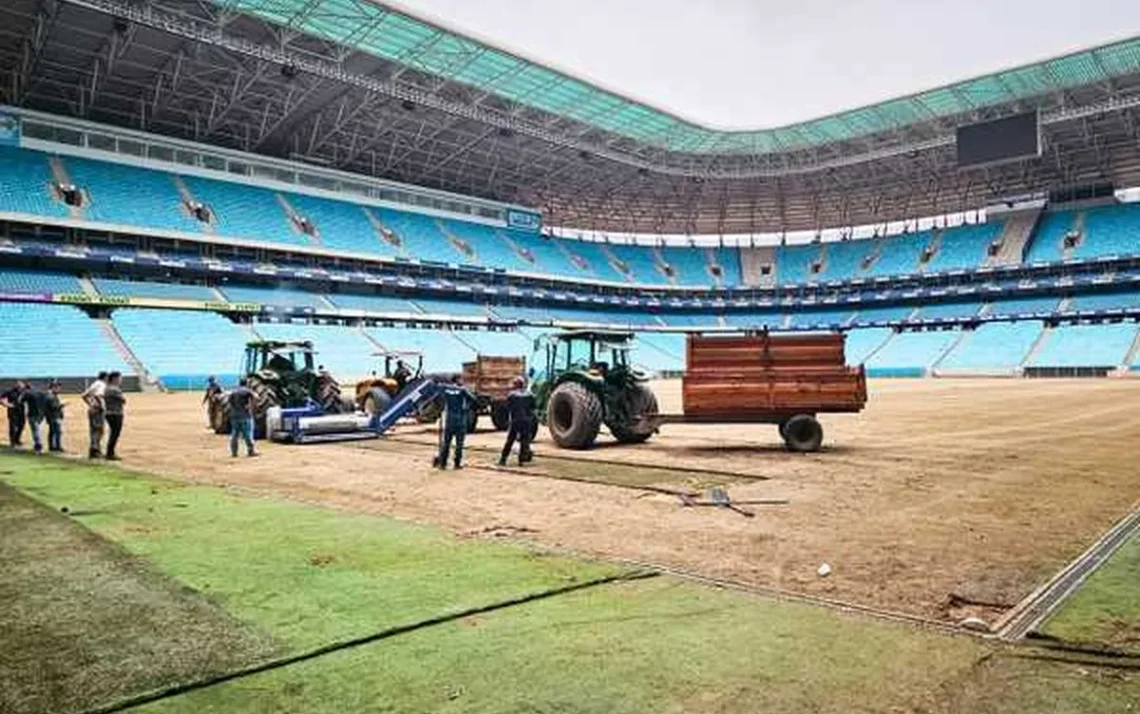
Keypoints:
pixel 309 424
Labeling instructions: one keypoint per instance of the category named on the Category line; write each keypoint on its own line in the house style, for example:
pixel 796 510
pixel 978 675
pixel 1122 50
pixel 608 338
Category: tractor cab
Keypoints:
pixel 279 357
pixel 600 354
pixel 374 394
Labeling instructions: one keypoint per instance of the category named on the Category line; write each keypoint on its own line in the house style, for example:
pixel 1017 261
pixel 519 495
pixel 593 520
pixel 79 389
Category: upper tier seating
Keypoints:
pixel 911 353
pixel 284 297
pixel 1047 245
pixel 130 195
pixel 183 347
pixel 421 237
pixel 342 225
pixel 43 341
pixel 642 265
pixel 596 258
pixel 31 281
pixel 344 351
pixel 1025 306
pixel 900 254
pixel 690 266
pixel 1085 345
pixel 168 291
pixel 1104 301
pixel 491 249
pixel 794 264
pixel 964 247
pixel 1110 231
pixel 845 259
pixel 26 184
pixel 441 350
pixel 373 303
pixel 947 310
pixel 242 211
pixel 548 257
pixel 993 346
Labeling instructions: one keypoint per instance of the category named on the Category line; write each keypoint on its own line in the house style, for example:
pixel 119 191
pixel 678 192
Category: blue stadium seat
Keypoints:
pixel 491 249
pixel 32 281
pixel 1047 245
pixel 207 344
pixel 643 266
pixel 26 184
pixel 845 260
pixel 690 266
pixel 342 225
pixel 964 247
pixel 822 318
pixel 42 341
pixel 130 195
pixel 373 303
pixel 900 254
pixel 794 264
pixel 422 237
pixel 947 310
pixel 910 354
pixel 1085 346
pixel 596 258
pixel 441 306
pixel 771 320
pixel 993 346
pixel 898 313
pixel 1025 306
pixel 1105 301
pixel 863 342
pixel 242 211
pixel 344 351
pixel 1110 231
pixel 549 258
pixel 168 291
pixel 283 297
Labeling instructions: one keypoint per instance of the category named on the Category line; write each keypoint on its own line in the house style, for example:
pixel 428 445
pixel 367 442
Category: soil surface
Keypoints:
pixel 941 495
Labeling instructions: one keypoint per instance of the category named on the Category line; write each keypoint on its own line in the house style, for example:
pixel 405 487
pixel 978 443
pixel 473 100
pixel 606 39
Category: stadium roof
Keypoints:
pixel 398 36
pixel 366 88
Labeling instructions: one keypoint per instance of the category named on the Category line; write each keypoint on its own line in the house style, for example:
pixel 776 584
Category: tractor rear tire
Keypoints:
pixel 573 416
pixel 802 433
pixel 640 401
pixel 263 399
pixel 500 416
pixel 376 401
pixel 219 414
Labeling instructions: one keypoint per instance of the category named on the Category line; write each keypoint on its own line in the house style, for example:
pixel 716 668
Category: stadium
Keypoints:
pixel 188 187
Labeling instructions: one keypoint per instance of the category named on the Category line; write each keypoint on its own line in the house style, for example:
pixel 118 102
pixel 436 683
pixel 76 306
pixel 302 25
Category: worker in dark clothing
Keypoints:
pixel 402 374
pixel 54 415
pixel 240 406
pixel 213 390
pixel 14 403
pixel 113 401
pixel 458 401
pixel 521 406
pixel 35 404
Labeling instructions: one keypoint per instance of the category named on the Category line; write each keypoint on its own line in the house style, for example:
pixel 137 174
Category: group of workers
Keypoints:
pixel 31 406
pixel 458 401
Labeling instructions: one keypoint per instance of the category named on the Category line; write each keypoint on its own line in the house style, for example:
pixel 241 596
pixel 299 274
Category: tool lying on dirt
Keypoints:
pixel 307 425
pixel 719 498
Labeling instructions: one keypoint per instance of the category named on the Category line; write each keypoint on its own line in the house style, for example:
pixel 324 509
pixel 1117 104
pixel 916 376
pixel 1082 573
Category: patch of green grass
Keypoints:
pixel 659 645
pixel 1106 610
pixel 82 621
pixel 307 575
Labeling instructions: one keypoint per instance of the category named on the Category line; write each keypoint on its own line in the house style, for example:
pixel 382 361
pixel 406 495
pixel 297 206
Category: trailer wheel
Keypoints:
pixel 500 416
pixel 573 416
pixel 802 433
pixel 376 401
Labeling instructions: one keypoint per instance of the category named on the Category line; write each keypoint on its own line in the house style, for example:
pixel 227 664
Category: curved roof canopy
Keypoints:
pixel 399 37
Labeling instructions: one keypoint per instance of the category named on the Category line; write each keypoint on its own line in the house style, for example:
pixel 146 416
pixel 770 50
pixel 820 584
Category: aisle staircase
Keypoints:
pixel 1037 345
pixel 752 263
pixel 59 173
pixel 1015 237
pixel 932 248
pixel 147 382
pixel 88 287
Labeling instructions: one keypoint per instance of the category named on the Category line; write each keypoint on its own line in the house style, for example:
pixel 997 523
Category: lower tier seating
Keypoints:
pixel 43 341
pixel 181 347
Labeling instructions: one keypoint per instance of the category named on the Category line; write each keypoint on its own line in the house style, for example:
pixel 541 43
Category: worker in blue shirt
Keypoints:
pixel 458 401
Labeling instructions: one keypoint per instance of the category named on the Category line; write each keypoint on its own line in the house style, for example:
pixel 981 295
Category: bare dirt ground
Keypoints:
pixel 974 488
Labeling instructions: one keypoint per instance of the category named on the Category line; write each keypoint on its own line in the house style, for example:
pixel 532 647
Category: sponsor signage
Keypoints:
pixel 232 306
pixel 527 221
pixel 85 299
pixel 25 297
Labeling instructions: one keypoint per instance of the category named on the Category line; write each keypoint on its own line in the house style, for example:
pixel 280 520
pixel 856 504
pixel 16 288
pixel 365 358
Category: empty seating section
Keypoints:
pixel 844 260
pixel 130 195
pixel 690 266
pixel 182 347
pixel 862 343
pixel 548 257
pixel 1110 231
pixel 31 281
pixel 772 320
pixel 168 291
pixel 1085 346
pixel 344 351
pixel 441 306
pixel 242 211
pixel 822 318
pixel 964 247
pixel 659 352
pixel 947 310
pixel 899 255
pixel 598 261
pixel 1025 306
pixel 642 265
pixel 1048 243
pixel 442 352
pixel 910 354
pixel 993 346
pixel 729 261
pixel 373 303
pixel 1105 301
pixel 341 225
pixel 42 341
pixel 491 249
pixel 883 314
pixel 283 297
pixel 499 344
pixel 420 236
pixel 26 184
pixel 688 319
pixel 794 264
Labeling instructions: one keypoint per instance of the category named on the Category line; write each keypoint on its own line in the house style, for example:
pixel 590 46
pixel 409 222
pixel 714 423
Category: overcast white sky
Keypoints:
pixel 763 63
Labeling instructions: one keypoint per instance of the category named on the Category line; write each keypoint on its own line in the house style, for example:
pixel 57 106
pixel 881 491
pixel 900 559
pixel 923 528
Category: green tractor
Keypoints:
pixel 280 374
pixel 588 381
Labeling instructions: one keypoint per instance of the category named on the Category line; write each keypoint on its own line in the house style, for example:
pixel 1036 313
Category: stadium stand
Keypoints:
pixel 1047 244
pixel 899 254
pixel 1085 346
pixel 963 247
pixel 883 314
pixel 373 303
pixel 827 318
pixel 32 281
pixel 129 195
pixel 845 259
pixel 690 266
pixel 862 343
pixel 421 237
pixel 442 352
pixel 242 211
pixel 491 249
pixel 772 320
pixel 341 225
pixel 1024 306
pixel 168 291
pixel 794 264
pixel 207 344
pixel 947 311
pixel 43 341
pixel 1110 231
pixel 26 184
pixel 993 347
pixel 910 354
pixel 344 351
pixel 442 306
pixel 1104 301
pixel 284 297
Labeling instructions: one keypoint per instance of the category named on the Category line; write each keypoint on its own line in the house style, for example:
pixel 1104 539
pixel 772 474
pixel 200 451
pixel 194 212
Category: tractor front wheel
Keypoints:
pixel 573 416
pixel 802 433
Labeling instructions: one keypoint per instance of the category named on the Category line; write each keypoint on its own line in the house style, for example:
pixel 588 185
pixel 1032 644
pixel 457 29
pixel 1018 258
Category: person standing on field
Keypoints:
pixel 113 402
pixel 240 407
pixel 54 418
pixel 35 402
pixel 96 414
pixel 13 401
pixel 521 406
pixel 458 402
pixel 213 390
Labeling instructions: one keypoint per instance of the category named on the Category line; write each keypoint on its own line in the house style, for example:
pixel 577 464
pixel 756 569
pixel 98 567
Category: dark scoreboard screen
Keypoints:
pixel 1008 139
